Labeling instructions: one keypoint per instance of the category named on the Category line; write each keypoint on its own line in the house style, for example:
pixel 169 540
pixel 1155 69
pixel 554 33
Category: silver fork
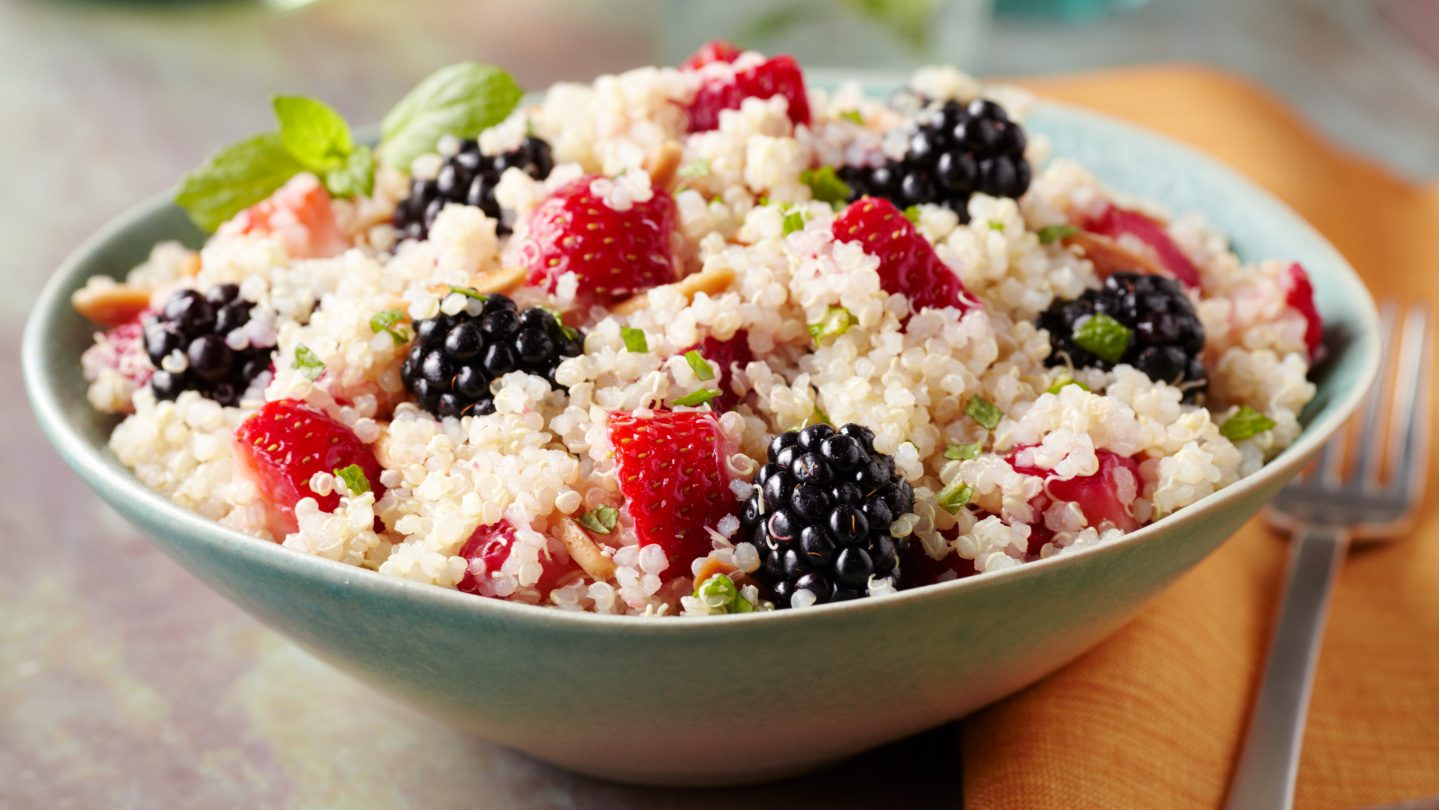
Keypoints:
pixel 1323 509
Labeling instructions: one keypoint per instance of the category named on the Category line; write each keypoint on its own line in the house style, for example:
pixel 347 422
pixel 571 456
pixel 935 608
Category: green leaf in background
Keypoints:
pixel 460 100
pixel 355 177
pixel 912 21
pixel 235 178
pixel 313 132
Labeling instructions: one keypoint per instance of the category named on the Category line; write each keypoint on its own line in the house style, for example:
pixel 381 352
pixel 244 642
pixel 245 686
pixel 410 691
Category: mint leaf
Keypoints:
pixel 601 519
pixel 386 322
pixel 460 100
pixel 983 411
pixel 825 185
pixel 955 496
pixel 635 339
pixel 355 177
pixel 1054 233
pixel 996 225
pixel 912 214
pixel 699 397
pixel 698 365
pixel 793 221
pixel 307 362
pixel 836 321
pixel 1061 381
pixel 354 478
pixel 1246 423
pixel 963 452
pixel 314 133
pixel 718 591
pixel 1103 337
pixel 235 178
pixel 695 168
pixel 853 115
pixel 469 292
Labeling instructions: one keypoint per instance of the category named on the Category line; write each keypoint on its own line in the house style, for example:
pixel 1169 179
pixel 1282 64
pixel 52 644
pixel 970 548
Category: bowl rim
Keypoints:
pixel 100 470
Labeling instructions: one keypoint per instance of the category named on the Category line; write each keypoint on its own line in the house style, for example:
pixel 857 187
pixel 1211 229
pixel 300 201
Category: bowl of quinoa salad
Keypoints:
pixel 853 405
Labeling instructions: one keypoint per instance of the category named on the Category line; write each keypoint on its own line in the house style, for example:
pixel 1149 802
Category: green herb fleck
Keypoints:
pixel 1061 381
pixel 1053 233
pixel 695 168
pixel 853 115
pixel 568 331
pixel 701 368
pixel 793 221
pixel 912 214
pixel 601 519
pixel 695 398
pixel 354 478
pixel 469 292
pixel 996 225
pixel 459 100
pixel 816 416
pixel 1246 423
pixel 235 178
pixel 825 185
pixel 635 339
pixel 386 322
pixel 836 321
pixel 955 496
pixel 963 452
pixel 720 592
pixel 1103 337
pixel 307 362
pixel 983 411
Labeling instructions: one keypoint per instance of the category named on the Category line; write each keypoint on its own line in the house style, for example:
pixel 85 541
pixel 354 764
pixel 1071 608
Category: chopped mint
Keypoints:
pixel 996 225
pixel 1246 423
pixel 1053 233
pixel 695 398
pixel 469 292
pixel 695 168
pixel 635 339
pixel 983 411
pixel 912 214
pixel 1103 337
pixel 313 132
pixel 720 592
pixel 235 178
pixel 565 329
pixel 460 100
pixel 825 185
pixel 1061 381
pixel 816 416
pixel 853 115
pixel 836 321
pixel 955 496
pixel 699 365
pixel 601 519
pixel 307 362
pixel 963 452
pixel 387 322
pixel 793 221
pixel 354 478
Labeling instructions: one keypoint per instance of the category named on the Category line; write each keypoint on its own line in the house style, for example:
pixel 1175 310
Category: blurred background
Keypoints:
pixel 123 682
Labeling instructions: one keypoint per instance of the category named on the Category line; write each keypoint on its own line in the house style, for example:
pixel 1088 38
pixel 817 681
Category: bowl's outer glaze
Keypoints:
pixel 651 700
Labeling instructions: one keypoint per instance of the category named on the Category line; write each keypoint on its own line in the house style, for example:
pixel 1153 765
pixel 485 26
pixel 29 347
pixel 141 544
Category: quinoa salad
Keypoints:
pixel 689 340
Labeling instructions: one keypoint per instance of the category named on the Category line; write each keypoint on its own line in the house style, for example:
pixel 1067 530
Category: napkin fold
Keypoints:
pixel 1154 717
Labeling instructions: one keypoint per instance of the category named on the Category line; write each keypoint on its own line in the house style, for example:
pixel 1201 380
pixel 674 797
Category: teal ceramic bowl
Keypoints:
pixel 732 699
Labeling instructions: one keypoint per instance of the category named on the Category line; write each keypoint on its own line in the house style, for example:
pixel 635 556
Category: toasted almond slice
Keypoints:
pixel 662 163
pixel 585 551
pixel 110 304
pixel 191 267
pixel 711 282
pixel 1110 257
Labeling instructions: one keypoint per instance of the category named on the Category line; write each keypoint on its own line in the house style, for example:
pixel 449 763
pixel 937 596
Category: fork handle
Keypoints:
pixel 1269 761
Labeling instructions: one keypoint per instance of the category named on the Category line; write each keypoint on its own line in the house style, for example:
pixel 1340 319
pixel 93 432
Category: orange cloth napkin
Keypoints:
pixel 1154 716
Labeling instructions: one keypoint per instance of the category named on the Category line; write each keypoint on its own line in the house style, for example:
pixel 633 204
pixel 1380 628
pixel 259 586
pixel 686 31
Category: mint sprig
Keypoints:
pixel 460 100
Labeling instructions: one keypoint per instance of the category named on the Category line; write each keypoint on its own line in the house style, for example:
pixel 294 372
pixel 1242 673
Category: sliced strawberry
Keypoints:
pixel 1115 222
pixel 123 350
pixel 615 254
pixel 1300 296
pixel 716 50
pixel 280 448
pixel 778 76
pixel 674 479
pixel 300 212
pixel 492 545
pixel 907 262
pixel 1097 494
pixel 724 355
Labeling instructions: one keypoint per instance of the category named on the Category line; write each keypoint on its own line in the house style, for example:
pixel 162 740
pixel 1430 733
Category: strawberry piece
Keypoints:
pixel 716 50
pixel 282 445
pixel 492 544
pixel 1097 494
pixel 123 350
pixel 674 478
pixel 778 76
pixel 724 354
pixel 907 262
pixel 300 213
pixel 615 254
pixel 1300 295
pixel 1115 222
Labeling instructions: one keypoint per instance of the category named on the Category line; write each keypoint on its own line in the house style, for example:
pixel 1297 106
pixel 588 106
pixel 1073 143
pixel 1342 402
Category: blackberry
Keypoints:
pixel 953 151
pixel 1167 338
pixel 470 178
pixel 820 514
pixel 197 328
pixel 455 357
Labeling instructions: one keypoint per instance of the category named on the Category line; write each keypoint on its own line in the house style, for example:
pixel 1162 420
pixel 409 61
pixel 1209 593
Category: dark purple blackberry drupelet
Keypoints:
pixel 455 357
pixel 821 512
pixel 197 326
pixel 953 151
pixel 468 177
pixel 1166 338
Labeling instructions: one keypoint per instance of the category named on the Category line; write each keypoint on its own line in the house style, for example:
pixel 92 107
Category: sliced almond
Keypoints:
pixel 662 163
pixel 585 551
pixel 711 282
pixel 110 304
pixel 1109 257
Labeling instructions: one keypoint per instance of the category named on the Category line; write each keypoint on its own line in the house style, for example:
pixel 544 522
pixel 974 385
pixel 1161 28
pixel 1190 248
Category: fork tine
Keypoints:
pixel 1408 445
pixel 1371 438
